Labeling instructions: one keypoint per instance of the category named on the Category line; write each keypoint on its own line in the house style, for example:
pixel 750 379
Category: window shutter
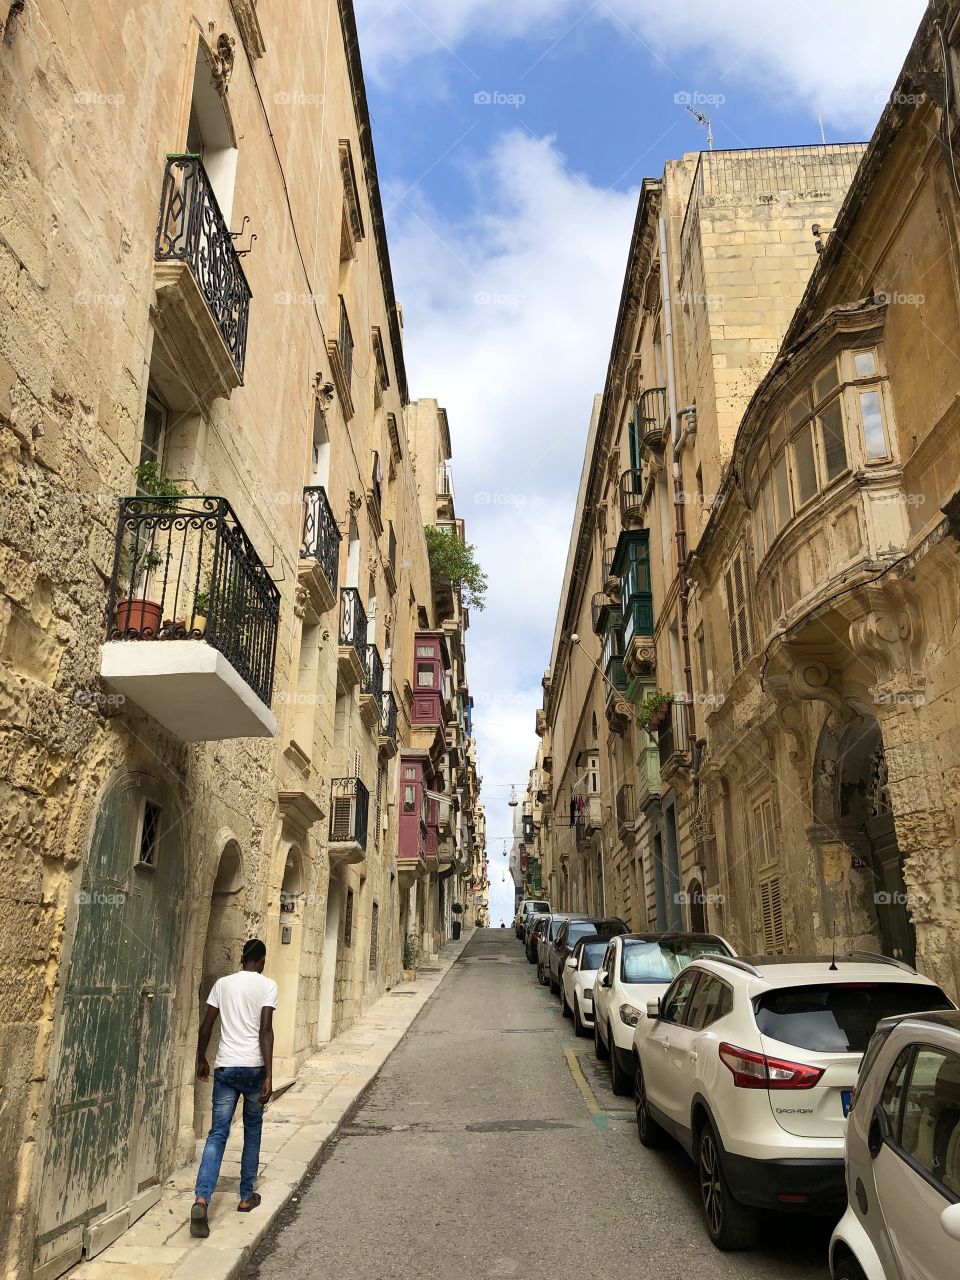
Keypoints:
pixel 634 434
pixel 342 826
pixel 771 911
pixel 735 583
pixel 732 620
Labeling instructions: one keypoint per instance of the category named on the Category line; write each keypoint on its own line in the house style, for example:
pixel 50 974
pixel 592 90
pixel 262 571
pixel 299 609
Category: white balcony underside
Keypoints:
pixel 189 687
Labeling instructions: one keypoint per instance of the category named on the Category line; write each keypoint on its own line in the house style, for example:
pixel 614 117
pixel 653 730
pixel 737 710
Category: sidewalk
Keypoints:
pixel 297 1127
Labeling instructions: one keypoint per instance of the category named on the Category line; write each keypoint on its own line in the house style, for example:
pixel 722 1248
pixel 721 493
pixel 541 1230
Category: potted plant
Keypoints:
pixel 652 710
pixel 137 616
pixel 411 958
pixel 457 910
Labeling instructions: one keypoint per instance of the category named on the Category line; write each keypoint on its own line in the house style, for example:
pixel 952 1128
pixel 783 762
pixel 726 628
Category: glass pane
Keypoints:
pixel 838 1018
pixel 834 442
pixel 931 1116
pixel 768 515
pixel 781 485
pixel 758 534
pixel 864 364
pixel 799 410
pixel 872 415
pixel 826 383
pixel 804 466
pixel 777 436
pixel 424 677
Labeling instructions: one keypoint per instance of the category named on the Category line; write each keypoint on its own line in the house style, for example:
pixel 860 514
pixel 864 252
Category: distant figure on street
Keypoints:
pixel 245 1002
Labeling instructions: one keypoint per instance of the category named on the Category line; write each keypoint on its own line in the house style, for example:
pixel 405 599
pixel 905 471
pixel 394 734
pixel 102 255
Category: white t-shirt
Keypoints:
pixel 240 998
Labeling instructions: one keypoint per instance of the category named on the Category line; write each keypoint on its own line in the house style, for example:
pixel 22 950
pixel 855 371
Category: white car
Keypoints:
pixel 903 1156
pixel 576 981
pixel 637 968
pixel 751 1066
pixel 526 908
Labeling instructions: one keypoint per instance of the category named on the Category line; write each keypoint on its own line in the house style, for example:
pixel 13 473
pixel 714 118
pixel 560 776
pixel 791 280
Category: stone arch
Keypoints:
pixel 696 907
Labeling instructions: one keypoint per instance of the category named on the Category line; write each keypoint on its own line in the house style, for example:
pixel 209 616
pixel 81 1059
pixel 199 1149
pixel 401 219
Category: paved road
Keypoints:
pixel 476 1154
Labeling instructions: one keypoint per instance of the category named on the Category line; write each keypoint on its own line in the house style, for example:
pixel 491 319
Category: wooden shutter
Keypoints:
pixel 374 935
pixel 771 911
pixel 735 584
pixel 342 825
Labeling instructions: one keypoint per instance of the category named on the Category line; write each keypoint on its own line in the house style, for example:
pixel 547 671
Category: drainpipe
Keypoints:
pixel 666 276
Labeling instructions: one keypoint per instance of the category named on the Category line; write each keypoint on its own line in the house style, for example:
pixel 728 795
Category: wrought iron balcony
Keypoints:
pixel 631 497
pixel 349 812
pixel 608 554
pixel 599 612
pixel 673 737
pixel 321 537
pixel 388 720
pixel 192 230
pixel 353 624
pixel 653 414
pixel 373 674
pixel 187 584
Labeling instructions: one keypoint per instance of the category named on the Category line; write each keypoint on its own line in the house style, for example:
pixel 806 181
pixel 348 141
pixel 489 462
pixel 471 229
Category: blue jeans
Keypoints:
pixel 229 1084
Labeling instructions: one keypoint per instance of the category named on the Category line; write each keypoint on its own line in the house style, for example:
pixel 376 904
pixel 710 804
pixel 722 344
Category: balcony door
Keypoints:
pixel 112 1090
pixel 210 133
pixel 320 454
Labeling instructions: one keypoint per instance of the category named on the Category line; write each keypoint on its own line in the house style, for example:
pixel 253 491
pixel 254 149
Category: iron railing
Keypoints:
pixel 373 673
pixel 653 411
pixel 349 811
pixel 608 555
pixel 673 736
pixel 321 537
pixel 599 607
pixel 345 344
pixel 184 569
pixel 353 623
pixel 631 495
pixel 192 230
pixel 444 482
pixel 388 717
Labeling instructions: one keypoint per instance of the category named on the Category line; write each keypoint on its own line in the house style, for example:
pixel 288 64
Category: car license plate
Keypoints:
pixel 846 1098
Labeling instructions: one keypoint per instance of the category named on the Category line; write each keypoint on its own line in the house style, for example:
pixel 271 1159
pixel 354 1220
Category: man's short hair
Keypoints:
pixel 253 950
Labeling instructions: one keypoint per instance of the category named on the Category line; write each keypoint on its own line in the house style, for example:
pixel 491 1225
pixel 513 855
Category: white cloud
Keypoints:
pixel 838 60
pixel 509 316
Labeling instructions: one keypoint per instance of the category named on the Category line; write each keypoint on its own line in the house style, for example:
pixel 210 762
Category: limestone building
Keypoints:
pixel 213 574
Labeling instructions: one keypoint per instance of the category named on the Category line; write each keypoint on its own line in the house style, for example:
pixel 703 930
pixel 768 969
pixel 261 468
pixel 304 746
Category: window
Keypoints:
pixel 930 1117
pixel 771 916
pixel 663 960
pixel 834 440
pixel 735 582
pixel 425 676
pixel 838 1017
pixel 591 955
pixel 874 437
pixel 892 1096
pixel 701 646
pixel 348 920
pixel 864 364
pixel 409 798
pixel 711 1001
pixel 149 843
pixel 374 935
pixel 154 430
pixel 677 1000
pixel 426 651
pixel 781 488
pixel 804 466
pixel 799 410
pixel 826 383
pixel 769 517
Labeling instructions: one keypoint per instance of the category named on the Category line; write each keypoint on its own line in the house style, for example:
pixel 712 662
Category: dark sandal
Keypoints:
pixel 198 1221
pixel 256 1201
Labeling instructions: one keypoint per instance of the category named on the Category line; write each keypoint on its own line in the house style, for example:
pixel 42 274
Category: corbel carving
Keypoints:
pixel 889 636
pixel 323 392
pixel 221 62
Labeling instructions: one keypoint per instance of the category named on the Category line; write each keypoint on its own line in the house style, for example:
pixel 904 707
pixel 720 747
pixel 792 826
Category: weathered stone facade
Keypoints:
pixel 134 862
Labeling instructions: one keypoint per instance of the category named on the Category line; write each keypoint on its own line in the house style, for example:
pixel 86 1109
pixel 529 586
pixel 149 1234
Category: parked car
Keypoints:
pixel 638 967
pixel 751 1066
pixel 546 940
pixel 576 984
pixel 535 926
pixel 525 908
pixel 903 1155
pixel 572 929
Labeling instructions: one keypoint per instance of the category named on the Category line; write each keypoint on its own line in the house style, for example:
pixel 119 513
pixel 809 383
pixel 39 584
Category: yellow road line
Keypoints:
pixel 580 1080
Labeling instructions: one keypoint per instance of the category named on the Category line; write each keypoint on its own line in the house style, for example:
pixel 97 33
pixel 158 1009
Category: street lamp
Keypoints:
pixel 621 701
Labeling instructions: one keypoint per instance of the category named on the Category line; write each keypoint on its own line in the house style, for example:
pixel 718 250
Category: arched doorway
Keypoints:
pixel 111 1084
pixel 226 933
pixel 851 796
pixel 286 958
pixel 697 907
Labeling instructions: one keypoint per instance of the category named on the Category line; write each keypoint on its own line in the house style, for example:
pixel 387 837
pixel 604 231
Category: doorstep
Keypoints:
pixel 297 1127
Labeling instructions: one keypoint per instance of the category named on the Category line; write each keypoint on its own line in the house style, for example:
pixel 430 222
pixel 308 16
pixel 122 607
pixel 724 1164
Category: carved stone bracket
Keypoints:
pixel 888 634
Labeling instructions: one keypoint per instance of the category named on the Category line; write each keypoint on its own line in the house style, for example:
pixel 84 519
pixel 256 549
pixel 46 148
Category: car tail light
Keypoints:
pixel 758 1071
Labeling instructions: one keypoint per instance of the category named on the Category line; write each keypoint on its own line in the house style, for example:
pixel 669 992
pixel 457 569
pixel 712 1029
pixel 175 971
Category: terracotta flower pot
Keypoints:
pixel 138 618
pixel 409 975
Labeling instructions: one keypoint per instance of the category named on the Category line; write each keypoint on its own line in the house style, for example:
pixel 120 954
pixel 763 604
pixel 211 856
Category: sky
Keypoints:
pixel 511 138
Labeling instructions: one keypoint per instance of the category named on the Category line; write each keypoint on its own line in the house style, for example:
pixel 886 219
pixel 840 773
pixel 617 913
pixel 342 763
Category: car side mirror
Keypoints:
pixel 950 1221
pixel 876 1133
pixel 653 1009
pixel 604 979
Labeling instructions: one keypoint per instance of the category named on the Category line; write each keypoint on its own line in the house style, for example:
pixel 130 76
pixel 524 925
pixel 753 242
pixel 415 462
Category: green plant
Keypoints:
pixel 153 484
pixel 455 561
pixel 650 707
pixel 411 952
pixel 457 909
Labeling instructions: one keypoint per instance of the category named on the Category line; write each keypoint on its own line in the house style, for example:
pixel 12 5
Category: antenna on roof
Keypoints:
pixel 705 121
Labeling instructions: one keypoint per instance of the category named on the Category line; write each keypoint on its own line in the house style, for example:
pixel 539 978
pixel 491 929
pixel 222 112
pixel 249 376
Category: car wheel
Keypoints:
pixel 730 1225
pixel 578 1028
pixel 619 1079
pixel 847 1269
pixel 648 1131
pixel 540 978
pixel 601 1050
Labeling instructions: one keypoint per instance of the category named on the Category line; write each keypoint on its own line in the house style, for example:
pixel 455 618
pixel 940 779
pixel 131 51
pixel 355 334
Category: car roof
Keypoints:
pixel 769 972
pixel 949 1019
pixel 597 920
pixel 588 938
pixel 671 936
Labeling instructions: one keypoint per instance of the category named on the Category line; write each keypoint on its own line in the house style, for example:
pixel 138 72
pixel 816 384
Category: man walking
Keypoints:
pixel 245 1002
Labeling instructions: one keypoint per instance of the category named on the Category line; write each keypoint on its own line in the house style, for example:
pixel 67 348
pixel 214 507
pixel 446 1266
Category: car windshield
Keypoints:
pixel 840 1017
pixel 591 955
pixel 662 960
pixel 540 906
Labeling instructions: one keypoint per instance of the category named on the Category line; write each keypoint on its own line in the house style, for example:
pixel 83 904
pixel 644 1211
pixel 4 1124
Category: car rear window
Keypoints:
pixel 541 906
pixel 661 961
pixel 839 1017
pixel 591 957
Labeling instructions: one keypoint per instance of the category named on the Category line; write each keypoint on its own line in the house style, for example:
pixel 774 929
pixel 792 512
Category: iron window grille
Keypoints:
pixel 373 673
pixel 191 229
pixel 349 811
pixel 345 344
pixel 388 724
pixel 184 569
pixel 353 623
pixel 321 537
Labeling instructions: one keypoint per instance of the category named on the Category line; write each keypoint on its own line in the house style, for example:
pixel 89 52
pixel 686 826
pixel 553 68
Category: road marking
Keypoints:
pixel 580 1080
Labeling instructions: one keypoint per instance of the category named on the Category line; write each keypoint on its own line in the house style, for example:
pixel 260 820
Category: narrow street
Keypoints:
pixel 477 1154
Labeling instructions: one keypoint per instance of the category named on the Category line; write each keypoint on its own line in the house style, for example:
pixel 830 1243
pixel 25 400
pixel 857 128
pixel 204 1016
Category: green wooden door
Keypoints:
pixel 110 1083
